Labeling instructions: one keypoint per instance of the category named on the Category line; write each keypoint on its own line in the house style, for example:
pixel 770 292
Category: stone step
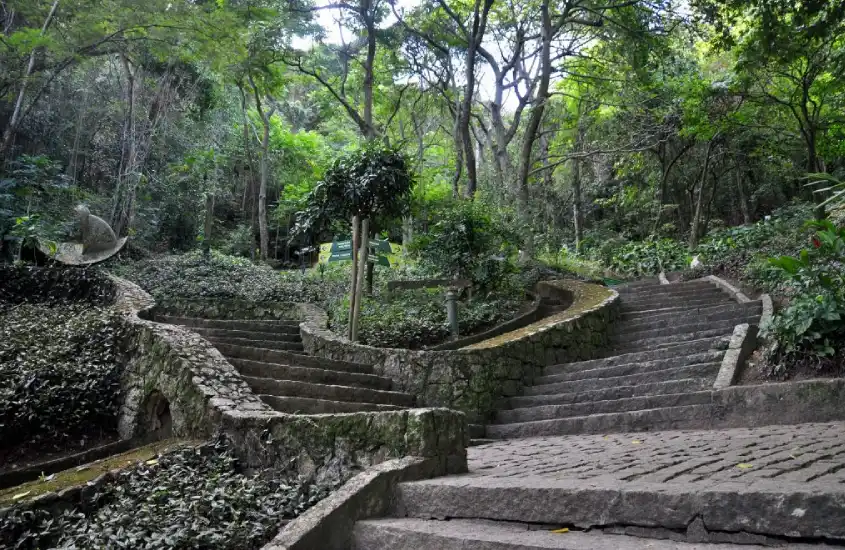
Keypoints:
pixel 280 357
pixel 476 431
pixel 666 341
pixel 687 348
pixel 248 334
pixel 746 509
pixel 287 326
pixel 481 441
pixel 469 534
pixel 637 334
pixel 659 302
pixel 266 344
pixel 305 405
pixel 676 292
pixel 686 385
pixel 626 369
pixel 669 418
pixel 530 414
pixel 257 369
pixel 669 318
pixel 701 370
pixel 292 388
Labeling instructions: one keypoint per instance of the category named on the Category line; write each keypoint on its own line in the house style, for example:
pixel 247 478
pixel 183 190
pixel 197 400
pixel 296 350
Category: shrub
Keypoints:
pixel 59 373
pixel 467 243
pixel 188 498
pixel 650 257
pixel 417 318
pixel 813 324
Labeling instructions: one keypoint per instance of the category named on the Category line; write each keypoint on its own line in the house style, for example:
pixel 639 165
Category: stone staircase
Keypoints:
pixel 270 357
pixel 663 356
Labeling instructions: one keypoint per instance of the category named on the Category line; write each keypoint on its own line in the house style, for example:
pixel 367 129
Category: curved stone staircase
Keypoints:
pixel 270 357
pixel 663 356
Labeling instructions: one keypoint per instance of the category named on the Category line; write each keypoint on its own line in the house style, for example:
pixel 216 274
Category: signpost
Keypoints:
pixel 341 251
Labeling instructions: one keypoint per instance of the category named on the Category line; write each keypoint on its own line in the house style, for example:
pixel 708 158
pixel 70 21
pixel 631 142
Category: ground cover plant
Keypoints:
pixel 193 497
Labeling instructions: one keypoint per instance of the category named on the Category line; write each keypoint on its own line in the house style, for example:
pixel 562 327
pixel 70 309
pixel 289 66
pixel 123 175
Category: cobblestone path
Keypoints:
pixel 806 454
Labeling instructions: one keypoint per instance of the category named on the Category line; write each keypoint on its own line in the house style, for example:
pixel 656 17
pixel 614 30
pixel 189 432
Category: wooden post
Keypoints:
pixel 353 286
pixel 362 270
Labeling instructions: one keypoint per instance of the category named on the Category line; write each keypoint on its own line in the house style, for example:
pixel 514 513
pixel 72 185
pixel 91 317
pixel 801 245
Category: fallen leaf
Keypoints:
pixel 744 466
pixel 49 477
pixel 562 530
pixel 636 442
pixel 152 462
pixel 20 495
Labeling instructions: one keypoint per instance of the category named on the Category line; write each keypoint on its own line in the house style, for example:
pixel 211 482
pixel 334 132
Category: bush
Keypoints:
pixel 417 318
pixel 813 324
pixel 59 373
pixel 188 498
pixel 650 257
pixel 466 243
pixel 219 276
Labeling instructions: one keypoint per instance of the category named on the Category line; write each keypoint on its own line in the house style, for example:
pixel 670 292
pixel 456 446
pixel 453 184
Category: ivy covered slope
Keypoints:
pixel 194 497
pixel 59 361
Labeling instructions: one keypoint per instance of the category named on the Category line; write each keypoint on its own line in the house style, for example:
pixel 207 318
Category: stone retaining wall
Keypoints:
pixel 476 379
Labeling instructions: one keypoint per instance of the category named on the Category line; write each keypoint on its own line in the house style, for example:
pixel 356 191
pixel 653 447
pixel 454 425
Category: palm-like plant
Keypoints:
pixel 831 184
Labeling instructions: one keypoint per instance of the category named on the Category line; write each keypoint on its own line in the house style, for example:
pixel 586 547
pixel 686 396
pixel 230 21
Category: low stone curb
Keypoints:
pixel 742 344
pixel 734 292
pixel 328 525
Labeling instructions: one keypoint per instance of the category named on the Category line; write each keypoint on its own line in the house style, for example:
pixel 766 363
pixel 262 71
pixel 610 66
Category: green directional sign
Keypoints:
pixel 341 251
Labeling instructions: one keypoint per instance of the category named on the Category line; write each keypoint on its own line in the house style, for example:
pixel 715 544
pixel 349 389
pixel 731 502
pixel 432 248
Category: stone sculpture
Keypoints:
pixel 96 241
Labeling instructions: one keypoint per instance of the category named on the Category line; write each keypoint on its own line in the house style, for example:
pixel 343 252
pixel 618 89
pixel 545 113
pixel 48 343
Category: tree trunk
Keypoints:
pixel 696 219
pixel 209 219
pixel 263 232
pixel 354 284
pixel 538 109
pixel 361 269
pixel 368 16
pixel 15 120
pixel 742 195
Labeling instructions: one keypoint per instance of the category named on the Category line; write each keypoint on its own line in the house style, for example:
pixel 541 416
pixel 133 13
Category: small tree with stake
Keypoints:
pixel 374 180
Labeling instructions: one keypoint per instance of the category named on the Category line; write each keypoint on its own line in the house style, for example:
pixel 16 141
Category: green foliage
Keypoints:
pixel 374 180
pixel 825 183
pixel 814 321
pixel 414 319
pixel 59 372
pixel 650 257
pixel 187 498
pixel 195 275
pixel 467 242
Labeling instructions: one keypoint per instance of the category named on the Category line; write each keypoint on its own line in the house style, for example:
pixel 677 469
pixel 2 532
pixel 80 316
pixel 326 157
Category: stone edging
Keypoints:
pixel 742 344
pixel 734 292
pixel 478 378
pixel 328 525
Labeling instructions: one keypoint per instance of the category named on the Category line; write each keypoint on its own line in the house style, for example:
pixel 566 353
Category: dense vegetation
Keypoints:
pixel 188 498
pixel 603 139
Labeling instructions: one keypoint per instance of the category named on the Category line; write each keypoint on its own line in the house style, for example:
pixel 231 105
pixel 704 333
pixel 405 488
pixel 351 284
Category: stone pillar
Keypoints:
pixel 452 311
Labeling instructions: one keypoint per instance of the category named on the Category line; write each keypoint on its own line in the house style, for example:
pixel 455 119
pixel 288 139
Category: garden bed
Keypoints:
pixel 188 497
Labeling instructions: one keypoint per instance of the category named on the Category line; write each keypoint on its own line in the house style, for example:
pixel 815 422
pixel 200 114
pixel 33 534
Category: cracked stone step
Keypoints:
pixel 305 405
pixel 530 414
pixel 257 369
pixel 768 509
pixel 248 334
pixel 654 286
pixel 635 367
pixel 679 294
pixel 686 385
pixel 266 344
pixel 686 348
pixel 666 341
pixel 668 418
pixel 290 327
pixel 280 357
pixel 469 534
pixel 636 334
pixel 291 388
pixel 702 370
pixel 671 317
pixel 663 302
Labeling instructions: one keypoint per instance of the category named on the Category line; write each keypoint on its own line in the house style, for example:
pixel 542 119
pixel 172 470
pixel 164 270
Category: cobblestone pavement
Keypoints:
pixel 805 453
